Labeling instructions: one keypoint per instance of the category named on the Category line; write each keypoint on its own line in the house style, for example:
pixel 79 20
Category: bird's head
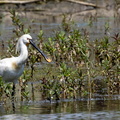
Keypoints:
pixel 24 39
pixel 27 39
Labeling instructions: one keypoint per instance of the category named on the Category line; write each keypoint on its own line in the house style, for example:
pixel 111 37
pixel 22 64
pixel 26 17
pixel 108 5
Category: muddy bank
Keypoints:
pixel 52 7
pixel 55 7
pixel 58 8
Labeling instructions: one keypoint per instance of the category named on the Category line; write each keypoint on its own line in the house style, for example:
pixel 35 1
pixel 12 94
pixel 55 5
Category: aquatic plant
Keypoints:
pixel 79 68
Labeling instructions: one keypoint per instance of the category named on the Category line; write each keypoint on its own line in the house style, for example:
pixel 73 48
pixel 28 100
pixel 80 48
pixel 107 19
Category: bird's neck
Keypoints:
pixel 23 54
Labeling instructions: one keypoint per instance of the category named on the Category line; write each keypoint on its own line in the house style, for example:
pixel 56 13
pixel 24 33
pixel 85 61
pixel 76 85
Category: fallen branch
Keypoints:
pixel 18 2
pixel 83 3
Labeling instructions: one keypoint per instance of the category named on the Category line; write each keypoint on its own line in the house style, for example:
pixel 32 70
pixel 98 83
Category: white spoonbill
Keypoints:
pixel 12 68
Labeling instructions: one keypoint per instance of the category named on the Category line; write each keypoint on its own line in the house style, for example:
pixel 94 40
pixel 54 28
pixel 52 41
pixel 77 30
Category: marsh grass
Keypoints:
pixel 79 68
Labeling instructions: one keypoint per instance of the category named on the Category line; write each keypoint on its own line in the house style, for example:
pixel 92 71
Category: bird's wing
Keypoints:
pixel 4 64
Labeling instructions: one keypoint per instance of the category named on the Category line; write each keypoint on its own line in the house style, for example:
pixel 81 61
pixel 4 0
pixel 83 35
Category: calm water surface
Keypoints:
pixel 63 110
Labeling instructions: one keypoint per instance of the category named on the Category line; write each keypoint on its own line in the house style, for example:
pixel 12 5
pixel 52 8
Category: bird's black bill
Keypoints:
pixel 46 58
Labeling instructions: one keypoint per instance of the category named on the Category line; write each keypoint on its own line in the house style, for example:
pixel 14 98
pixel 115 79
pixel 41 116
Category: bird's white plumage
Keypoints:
pixel 12 68
pixel 9 70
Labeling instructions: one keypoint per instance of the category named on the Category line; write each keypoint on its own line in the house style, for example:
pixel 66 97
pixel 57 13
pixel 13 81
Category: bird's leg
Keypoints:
pixel 13 96
pixel 13 91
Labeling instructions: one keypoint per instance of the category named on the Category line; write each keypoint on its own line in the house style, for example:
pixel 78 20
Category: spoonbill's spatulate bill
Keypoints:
pixel 12 68
pixel 46 58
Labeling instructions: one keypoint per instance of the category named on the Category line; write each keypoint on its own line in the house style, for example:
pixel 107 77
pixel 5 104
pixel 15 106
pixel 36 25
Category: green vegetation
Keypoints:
pixel 80 68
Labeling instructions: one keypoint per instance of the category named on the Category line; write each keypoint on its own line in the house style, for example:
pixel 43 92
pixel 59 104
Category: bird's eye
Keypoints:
pixel 28 39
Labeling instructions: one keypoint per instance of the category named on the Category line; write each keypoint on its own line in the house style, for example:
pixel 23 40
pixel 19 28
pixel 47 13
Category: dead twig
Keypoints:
pixel 84 3
pixel 18 2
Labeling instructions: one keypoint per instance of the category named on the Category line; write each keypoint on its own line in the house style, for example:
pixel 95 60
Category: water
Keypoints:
pixel 63 110
pixel 98 108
